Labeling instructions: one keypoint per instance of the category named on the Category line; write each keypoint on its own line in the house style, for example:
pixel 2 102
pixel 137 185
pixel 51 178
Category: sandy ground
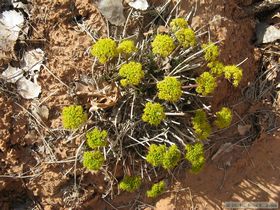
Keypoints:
pixel 253 177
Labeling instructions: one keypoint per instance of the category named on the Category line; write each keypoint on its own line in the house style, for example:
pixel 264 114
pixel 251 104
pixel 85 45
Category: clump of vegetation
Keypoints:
pixel 171 157
pixel 178 23
pixel 233 74
pixel 216 68
pixel 161 71
pixel 169 89
pixel 130 183
pixel 201 125
pixel 206 83
pixel 96 138
pixel 93 160
pixel 211 51
pixel 160 155
pixel 195 155
pixel 156 190
pixel 156 154
pixel 186 37
pixel 126 47
pixel 73 116
pixel 104 49
pixel 132 72
pixel 224 118
pixel 163 45
pixel 153 113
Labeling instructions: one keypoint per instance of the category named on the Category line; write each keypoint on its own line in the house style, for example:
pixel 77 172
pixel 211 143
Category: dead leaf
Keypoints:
pixel 33 60
pixel 41 112
pixel 227 147
pixel 12 74
pixel 27 86
pixel 162 29
pixel 28 89
pixel 112 11
pixel 11 23
pixel 243 129
pixel 102 97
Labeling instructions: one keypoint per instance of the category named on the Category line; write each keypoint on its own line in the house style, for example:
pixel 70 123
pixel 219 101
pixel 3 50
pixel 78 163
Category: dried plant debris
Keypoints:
pixel 138 4
pixel 26 75
pixel 102 96
pixel 112 11
pixel 11 23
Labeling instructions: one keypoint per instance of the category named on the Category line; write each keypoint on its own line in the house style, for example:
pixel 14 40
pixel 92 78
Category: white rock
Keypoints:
pixel 271 34
pixel 139 4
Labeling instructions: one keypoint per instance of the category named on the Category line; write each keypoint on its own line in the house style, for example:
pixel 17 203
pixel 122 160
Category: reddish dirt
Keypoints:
pixel 253 177
pixel 245 174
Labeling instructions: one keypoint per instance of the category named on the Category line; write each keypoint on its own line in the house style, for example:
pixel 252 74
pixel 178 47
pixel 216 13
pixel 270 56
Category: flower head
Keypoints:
pixel 211 51
pixel 156 190
pixel 153 113
pixel 178 23
pixel 130 183
pixel 156 154
pixel 201 125
pixel 171 157
pixel 216 68
pixel 169 89
pixel 73 116
pixel 126 47
pixel 224 118
pixel 206 83
pixel 163 45
pixel 233 74
pixel 186 37
pixel 132 72
pixel 93 160
pixel 96 138
pixel 195 155
pixel 104 50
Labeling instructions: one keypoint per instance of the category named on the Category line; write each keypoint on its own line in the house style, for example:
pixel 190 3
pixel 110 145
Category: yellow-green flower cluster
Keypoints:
pixel 178 23
pixel 93 160
pixel 155 154
pixel 126 47
pixel 171 157
pixel 156 190
pixel 195 155
pixel 224 118
pixel 211 52
pixel 160 155
pixel 233 74
pixel 206 83
pixel 170 89
pixel 96 138
pixel 216 68
pixel 201 125
pixel 153 113
pixel 186 37
pixel 73 117
pixel 104 50
pixel 163 45
pixel 130 183
pixel 132 72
